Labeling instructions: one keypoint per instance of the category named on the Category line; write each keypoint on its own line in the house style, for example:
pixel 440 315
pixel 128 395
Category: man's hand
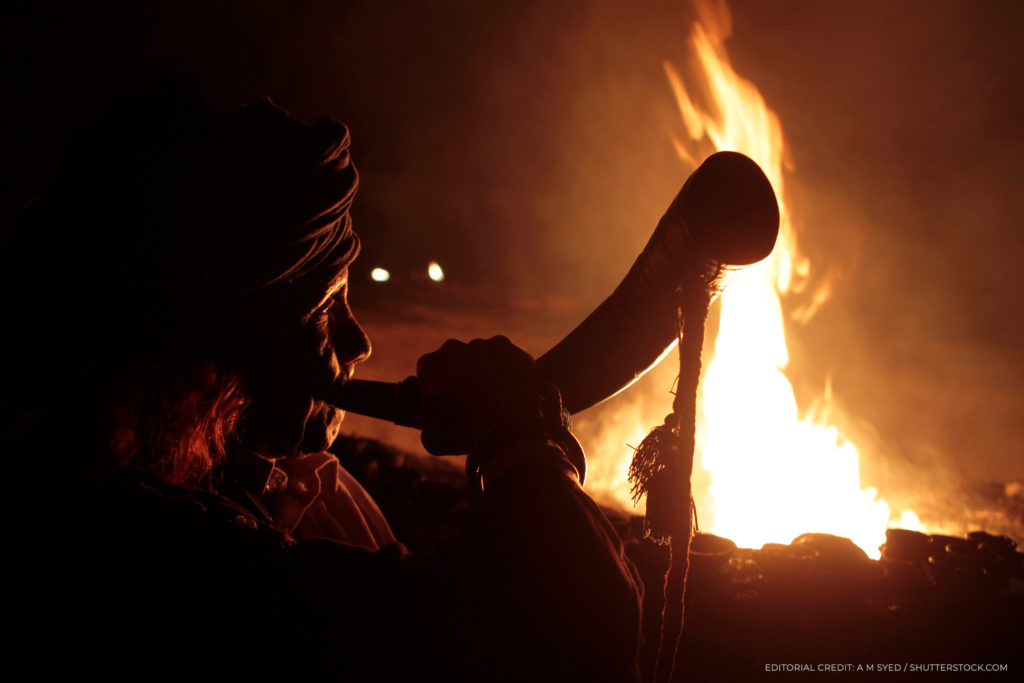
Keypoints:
pixel 467 389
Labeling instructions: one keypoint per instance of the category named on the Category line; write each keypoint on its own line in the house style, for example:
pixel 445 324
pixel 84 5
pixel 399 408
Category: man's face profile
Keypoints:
pixel 297 350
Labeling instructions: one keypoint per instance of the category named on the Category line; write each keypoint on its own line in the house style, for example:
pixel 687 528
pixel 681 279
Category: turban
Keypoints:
pixel 161 194
pixel 278 194
pixel 163 214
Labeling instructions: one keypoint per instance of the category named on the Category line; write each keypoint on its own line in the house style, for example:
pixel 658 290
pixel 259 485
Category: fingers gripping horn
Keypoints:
pixel 724 217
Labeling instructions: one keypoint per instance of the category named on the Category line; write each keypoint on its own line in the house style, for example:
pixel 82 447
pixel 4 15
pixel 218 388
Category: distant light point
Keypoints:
pixel 380 275
pixel 435 272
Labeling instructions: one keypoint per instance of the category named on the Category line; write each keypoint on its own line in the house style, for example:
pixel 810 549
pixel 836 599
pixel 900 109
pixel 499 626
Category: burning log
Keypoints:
pixel 981 562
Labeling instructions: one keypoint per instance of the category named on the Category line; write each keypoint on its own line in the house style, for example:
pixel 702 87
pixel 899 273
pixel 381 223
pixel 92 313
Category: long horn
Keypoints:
pixel 724 217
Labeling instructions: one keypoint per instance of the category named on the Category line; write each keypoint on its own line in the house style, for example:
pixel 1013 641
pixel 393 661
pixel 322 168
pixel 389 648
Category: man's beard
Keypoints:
pixel 322 427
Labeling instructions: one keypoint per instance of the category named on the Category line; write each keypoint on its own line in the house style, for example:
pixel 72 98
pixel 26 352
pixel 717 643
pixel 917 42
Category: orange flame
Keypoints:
pixel 774 474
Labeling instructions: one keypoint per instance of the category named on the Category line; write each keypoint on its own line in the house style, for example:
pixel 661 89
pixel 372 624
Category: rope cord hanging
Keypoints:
pixel 662 467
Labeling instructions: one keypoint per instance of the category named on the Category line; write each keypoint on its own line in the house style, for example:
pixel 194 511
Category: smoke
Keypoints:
pixel 901 122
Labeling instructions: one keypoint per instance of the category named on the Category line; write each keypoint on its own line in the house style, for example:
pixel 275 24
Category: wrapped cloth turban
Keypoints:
pixel 163 215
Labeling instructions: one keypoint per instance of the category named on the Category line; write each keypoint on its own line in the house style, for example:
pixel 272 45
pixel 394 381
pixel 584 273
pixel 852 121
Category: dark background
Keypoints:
pixel 526 146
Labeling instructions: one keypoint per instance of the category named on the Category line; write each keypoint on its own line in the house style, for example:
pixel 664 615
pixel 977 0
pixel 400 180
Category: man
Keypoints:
pixel 176 308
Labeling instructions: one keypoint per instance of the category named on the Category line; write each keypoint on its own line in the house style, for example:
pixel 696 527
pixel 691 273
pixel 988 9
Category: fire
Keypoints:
pixel 774 473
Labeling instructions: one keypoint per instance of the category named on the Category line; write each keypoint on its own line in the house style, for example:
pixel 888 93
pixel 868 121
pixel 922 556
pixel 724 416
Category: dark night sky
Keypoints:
pixel 526 146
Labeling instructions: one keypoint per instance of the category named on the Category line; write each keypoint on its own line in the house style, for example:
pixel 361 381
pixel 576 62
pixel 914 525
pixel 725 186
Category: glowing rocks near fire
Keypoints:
pixel 774 474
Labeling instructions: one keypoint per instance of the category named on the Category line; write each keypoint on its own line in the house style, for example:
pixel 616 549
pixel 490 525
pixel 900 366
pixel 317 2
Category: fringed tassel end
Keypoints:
pixel 651 475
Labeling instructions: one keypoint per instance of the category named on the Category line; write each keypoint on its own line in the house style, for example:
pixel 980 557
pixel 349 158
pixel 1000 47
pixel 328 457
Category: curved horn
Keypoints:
pixel 724 217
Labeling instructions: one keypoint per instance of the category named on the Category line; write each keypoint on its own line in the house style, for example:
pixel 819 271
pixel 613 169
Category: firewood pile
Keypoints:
pixel 815 608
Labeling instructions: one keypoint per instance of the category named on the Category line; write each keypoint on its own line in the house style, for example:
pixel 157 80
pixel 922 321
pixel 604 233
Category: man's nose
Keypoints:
pixel 351 344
